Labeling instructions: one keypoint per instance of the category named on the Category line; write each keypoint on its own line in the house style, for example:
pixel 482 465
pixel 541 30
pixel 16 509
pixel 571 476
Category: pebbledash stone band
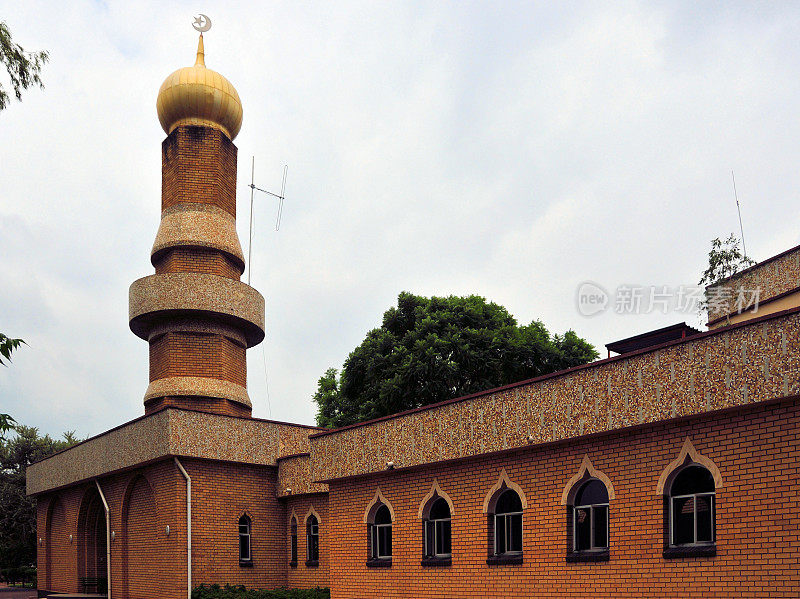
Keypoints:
pixel 198 225
pixel 155 297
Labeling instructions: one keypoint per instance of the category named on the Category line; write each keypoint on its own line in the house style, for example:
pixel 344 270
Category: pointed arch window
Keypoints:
pixel 505 524
pixel 438 541
pixel 293 542
pixel 312 541
pixel 245 531
pixel 692 497
pixel 380 534
pixel 589 515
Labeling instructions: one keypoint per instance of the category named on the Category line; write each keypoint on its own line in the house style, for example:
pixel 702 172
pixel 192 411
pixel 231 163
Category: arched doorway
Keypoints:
pixel 92 545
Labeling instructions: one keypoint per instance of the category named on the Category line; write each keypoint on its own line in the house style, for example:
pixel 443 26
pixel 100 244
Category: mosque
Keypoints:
pixel 668 470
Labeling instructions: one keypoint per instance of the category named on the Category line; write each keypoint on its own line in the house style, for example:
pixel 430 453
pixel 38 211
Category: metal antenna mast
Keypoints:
pixel 739 210
pixel 280 197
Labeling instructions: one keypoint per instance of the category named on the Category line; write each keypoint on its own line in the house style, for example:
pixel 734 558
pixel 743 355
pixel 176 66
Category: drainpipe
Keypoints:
pixel 108 536
pixel 188 528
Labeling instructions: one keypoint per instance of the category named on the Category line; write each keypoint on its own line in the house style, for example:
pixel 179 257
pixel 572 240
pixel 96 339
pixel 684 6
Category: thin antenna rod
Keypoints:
pixel 250 242
pixel 280 204
pixel 739 210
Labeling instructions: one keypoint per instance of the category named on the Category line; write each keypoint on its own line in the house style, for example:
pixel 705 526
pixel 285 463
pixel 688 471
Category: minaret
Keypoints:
pixel 195 313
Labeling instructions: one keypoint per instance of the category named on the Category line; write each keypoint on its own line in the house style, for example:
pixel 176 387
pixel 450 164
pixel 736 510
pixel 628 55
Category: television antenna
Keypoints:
pixel 253 190
pixel 739 210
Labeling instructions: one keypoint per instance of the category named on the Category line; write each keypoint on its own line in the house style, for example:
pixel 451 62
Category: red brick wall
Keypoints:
pixel 758 523
pixel 197 354
pixel 303 576
pixel 198 165
pixel 193 259
pixel 221 494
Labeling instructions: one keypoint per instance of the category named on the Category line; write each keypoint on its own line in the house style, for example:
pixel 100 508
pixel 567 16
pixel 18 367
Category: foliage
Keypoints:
pixel 8 345
pixel 25 575
pixel 18 511
pixel 23 67
pixel 215 591
pixel 724 260
pixel 433 349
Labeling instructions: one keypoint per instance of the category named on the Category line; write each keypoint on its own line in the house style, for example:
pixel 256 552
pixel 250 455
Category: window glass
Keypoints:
pixel 312 538
pixel 294 539
pixel 600 526
pixel 509 501
pixel 380 534
pixel 591 493
pixel 244 539
pixel 437 530
pixel 692 507
pixel 508 523
pixel 383 515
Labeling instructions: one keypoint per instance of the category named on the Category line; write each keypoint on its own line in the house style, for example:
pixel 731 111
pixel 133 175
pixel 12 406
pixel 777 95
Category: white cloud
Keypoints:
pixel 507 150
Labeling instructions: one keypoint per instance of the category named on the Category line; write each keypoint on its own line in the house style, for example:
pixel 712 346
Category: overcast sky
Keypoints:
pixel 508 150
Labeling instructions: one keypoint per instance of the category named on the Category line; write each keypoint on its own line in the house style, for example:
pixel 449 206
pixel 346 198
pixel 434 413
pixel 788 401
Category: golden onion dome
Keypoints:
pixel 199 96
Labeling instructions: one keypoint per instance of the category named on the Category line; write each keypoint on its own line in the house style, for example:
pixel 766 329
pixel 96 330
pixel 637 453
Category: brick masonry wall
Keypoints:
pixel 222 493
pixel 757 451
pixel 197 354
pixel 737 365
pixel 146 561
pixel 772 277
pixel 198 166
pixel 193 259
pixel 303 576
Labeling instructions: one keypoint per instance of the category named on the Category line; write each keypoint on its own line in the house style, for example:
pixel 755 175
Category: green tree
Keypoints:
pixel 23 67
pixel 433 349
pixel 17 510
pixel 725 259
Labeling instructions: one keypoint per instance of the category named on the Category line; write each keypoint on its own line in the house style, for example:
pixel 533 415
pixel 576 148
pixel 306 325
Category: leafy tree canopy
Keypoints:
pixel 433 349
pixel 17 510
pixel 724 260
pixel 7 346
pixel 23 67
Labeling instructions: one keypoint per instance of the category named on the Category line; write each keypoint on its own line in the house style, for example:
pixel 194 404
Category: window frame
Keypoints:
pixel 506 521
pixel 245 522
pixel 378 532
pixel 434 529
pixel 312 541
pixel 293 542
pixel 694 497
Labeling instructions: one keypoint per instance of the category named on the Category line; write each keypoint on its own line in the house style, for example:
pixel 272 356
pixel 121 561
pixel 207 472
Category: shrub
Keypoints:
pixel 215 591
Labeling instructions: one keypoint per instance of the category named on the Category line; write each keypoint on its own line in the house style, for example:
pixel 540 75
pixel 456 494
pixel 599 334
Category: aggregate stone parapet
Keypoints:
pixel 170 294
pixel 196 386
pixel 294 476
pixel 771 279
pixel 170 432
pixel 197 225
pixel 756 361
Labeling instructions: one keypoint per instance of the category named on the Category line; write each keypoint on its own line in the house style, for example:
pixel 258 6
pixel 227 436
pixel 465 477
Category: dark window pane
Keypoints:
pixel 244 548
pixel 591 493
pixel 583 529
pixel 705 519
pixel 439 510
pixel 385 541
pixel 383 516
pixel 429 538
pixel 683 521
pixel 294 548
pixel 500 534
pixel 509 501
pixel 692 479
pixel 515 533
pixel 244 520
pixel 446 540
pixel 600 526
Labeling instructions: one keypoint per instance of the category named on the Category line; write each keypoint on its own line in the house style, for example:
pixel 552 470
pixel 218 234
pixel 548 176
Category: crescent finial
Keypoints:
pixel 202 23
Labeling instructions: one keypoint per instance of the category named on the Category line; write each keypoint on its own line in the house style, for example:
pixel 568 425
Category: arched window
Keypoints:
pixel 691 507
pixel 245 555
pixel 312 540
pixel 590 516
pixel 293 542
pixel 380 534
pixel 508 524
pixel 437 529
